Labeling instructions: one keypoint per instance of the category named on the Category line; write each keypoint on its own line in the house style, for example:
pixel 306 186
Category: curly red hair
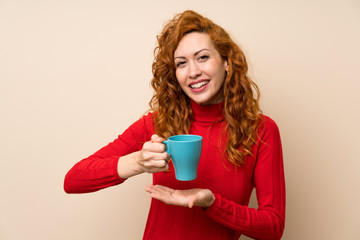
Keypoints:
pixel 241 101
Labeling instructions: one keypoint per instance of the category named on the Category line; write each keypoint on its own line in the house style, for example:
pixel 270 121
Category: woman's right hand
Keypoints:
pixel 151 158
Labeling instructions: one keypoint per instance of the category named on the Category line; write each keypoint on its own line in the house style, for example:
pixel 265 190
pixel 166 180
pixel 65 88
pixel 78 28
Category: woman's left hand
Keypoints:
pixel 186 198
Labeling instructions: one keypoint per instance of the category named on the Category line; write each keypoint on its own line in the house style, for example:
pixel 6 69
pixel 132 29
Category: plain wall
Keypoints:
pixel 75 74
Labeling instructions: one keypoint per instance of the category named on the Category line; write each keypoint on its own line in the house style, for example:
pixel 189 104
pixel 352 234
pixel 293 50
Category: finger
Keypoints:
pixel 165 197
pixel 154 147
pixel 152 189
pixel 167 158
pixel 149 188
pixel 154 192
pixel 156 138
pixel 192 201
pixel 163 189
pixel 155 164
pixel 158 193
pixel 147 157
pixel 156 170
pixel 160 197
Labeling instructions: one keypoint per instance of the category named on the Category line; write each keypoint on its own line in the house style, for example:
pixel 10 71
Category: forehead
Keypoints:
pixel 194 42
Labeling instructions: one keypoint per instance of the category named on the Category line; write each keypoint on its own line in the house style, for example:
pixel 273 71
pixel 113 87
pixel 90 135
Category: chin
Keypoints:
pixel 202 102
pixel 207 101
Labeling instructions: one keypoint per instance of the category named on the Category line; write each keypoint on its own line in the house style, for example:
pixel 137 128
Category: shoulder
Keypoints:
pixel 148 116
pixel 267 121
pixel 146 120
pixel 268 126
pixel 142 129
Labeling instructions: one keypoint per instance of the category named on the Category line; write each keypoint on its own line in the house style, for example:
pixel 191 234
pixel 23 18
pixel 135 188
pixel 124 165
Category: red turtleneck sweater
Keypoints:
pixel 229 216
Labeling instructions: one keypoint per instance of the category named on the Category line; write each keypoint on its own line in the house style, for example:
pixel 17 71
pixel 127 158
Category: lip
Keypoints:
pixel 199 89
pixel 197 81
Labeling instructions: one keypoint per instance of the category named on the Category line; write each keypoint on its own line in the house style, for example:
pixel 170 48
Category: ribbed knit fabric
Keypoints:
pixel 228 217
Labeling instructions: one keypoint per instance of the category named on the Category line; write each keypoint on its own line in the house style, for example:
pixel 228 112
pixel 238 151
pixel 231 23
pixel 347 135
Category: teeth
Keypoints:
pixel 199 85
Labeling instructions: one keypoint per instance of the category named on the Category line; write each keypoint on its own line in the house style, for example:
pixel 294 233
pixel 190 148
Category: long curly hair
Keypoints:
pixel 241 95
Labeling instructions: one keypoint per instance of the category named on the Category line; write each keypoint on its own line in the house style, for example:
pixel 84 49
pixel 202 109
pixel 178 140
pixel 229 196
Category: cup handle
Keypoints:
pixel 167 144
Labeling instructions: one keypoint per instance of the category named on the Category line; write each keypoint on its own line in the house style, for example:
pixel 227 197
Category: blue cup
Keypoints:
pixel 185 151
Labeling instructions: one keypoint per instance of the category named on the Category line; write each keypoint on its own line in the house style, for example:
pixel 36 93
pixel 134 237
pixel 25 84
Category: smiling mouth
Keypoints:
pixel 199 84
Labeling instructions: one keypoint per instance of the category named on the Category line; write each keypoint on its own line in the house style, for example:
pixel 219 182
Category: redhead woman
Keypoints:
pixel 201 86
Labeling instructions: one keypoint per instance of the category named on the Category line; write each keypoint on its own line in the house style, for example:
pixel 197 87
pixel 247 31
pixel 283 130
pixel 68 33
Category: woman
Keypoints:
pixel 200 87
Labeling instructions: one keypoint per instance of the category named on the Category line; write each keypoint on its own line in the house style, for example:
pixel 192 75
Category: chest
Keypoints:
pixel 215 172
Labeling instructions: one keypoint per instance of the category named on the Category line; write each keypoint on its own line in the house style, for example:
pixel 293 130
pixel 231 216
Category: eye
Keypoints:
pixel 179 64
pixel 203 57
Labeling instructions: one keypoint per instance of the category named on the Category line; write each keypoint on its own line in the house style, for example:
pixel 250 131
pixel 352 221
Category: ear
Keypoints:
pixel 226 65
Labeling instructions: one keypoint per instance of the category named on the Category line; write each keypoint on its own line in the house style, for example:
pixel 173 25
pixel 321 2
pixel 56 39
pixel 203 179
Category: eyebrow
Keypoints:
pixel 196 53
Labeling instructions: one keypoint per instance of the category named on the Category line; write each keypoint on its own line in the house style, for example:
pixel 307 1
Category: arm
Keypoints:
pixel 266 222
pixel 125 157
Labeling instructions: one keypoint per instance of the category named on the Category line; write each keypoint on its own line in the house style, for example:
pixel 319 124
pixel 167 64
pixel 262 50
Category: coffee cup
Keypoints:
pixel 185 152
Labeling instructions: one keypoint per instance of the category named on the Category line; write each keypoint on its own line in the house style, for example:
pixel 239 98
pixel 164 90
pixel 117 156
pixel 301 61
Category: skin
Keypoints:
pixel 184 198
pixel 152 158
pixel 197 61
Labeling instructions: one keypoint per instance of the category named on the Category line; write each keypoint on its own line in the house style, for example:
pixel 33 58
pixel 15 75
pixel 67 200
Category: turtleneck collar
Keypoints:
pixel 207 113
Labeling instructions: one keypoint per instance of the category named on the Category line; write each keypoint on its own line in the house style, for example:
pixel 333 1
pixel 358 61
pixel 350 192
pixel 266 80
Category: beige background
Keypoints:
pixel 74 74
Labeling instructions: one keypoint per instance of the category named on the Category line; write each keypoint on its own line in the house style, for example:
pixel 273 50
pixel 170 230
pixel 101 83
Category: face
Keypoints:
pixel 200 70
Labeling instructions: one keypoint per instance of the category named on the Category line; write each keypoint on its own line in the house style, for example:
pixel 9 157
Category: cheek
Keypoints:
pixel 213 69
pixel 221 73
pixel 180 77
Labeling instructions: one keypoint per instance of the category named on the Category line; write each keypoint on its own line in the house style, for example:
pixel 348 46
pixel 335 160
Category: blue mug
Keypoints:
pixel 185 151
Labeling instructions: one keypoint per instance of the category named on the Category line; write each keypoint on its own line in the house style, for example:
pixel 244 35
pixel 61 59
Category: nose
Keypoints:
pixel 194 70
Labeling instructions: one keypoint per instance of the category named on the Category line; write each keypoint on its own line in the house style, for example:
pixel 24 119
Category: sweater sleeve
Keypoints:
pixel 268 220
pixel 99 170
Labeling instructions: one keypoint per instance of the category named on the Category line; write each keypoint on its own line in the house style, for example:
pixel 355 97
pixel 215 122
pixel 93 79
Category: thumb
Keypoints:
pixel 191 202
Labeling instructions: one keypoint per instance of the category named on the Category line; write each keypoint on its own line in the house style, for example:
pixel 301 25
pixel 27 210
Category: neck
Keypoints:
pixel 207 113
